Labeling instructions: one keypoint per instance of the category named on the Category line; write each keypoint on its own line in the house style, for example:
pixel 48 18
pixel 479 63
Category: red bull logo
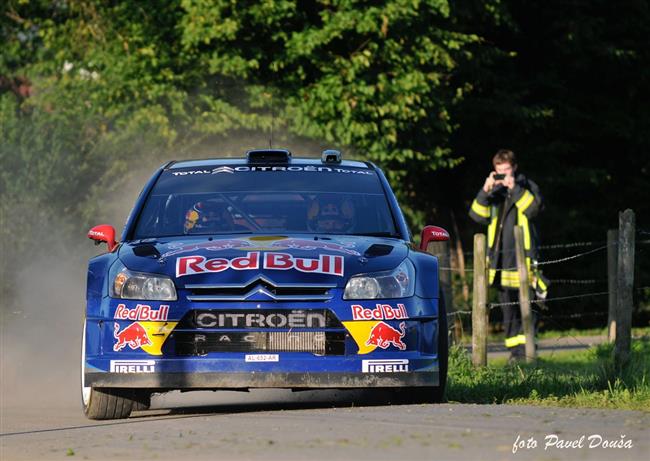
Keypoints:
pixel 383 335
pixel 325 264
pixel 134 336
pixel 141 312
pixel 380 312
pixel 303 244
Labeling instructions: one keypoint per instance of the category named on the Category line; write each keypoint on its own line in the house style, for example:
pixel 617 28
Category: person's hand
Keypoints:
pixel 489 182
pixel 509 182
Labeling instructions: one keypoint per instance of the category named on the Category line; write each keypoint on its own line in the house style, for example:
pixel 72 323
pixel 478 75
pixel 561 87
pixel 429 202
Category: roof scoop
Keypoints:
pixel 268 156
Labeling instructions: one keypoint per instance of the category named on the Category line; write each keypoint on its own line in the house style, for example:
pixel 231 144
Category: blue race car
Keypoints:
pixel 264 272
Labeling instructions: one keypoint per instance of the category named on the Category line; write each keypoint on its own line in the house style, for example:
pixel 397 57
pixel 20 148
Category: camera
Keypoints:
pixel 498 177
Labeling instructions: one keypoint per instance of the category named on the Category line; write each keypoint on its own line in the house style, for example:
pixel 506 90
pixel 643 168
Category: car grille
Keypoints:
pixel 259 287
pixel 315 342
pixel 202 331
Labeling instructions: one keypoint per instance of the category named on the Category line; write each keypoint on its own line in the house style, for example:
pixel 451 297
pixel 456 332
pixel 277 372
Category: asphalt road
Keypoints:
pixel 280 425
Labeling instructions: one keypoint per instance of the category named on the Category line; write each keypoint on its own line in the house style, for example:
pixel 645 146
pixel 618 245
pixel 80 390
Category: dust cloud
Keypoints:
pixel 40 329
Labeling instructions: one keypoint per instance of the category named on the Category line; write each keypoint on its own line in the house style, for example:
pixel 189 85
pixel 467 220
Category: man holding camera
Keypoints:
pixel 508 199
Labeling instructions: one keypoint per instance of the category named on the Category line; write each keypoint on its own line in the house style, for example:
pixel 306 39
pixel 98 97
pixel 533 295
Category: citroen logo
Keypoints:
pixel 223 169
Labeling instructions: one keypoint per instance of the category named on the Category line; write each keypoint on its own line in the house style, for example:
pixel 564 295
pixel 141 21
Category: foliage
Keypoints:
pixel 374 76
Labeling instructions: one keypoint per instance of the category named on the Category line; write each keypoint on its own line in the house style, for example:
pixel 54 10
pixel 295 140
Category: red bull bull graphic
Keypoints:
pixel 372 334
pixel 217 245
pixel 135 336
pixel 325 264
pixel 383 335
pixel 261 243
pixel 141 312
pixel 380 312
pixel 304 244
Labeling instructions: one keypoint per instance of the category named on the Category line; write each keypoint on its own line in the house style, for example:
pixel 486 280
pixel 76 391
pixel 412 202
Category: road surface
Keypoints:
pixel 280 425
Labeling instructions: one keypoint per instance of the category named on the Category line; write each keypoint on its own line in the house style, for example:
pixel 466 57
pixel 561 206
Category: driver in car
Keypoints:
pixel 331 214
pixel 207 217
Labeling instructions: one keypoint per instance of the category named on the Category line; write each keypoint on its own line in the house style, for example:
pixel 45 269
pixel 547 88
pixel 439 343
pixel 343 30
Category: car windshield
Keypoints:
pixel 261 200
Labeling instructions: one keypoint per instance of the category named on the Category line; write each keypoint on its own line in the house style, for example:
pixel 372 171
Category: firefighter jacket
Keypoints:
pixel 501 210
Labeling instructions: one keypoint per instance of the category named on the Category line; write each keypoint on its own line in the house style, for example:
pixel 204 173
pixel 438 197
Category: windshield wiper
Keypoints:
pixel 226 233
pixel 377 234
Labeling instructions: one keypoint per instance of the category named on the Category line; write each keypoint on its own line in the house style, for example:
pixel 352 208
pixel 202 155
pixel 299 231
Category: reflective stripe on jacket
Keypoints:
pixel 501 210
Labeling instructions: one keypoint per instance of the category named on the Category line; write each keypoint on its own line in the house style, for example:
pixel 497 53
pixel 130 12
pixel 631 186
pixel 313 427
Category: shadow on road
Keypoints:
pixel 174 407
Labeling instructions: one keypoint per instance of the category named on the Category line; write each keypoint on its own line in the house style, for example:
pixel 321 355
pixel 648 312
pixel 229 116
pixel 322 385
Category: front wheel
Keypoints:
pixel 109 403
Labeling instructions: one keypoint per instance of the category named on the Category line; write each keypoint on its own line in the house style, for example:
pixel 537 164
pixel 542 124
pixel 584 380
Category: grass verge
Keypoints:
pixel 573 379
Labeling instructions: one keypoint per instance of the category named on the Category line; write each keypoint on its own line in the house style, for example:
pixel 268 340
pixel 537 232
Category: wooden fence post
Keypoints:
pixel 524 296
pixel 624 288
pixel 441 250
pixel 479 304
pixel 612 265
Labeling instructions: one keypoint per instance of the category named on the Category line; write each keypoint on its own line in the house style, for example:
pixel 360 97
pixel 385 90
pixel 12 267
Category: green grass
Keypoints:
pixel 574 379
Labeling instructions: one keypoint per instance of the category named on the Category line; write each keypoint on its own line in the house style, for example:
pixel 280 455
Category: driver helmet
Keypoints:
pixel 207 216
pixel 331 214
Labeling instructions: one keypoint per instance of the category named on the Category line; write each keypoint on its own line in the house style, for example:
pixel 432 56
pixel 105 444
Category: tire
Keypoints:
pixel 108 403
pixel 436 394
pixel 142 400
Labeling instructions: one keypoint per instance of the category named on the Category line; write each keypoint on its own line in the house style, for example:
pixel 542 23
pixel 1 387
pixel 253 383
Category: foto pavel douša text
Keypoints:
pixel 553 441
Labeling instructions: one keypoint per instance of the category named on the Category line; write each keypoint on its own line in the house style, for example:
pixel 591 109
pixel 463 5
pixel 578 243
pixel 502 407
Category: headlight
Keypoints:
pixel 398 283
pixel 138 285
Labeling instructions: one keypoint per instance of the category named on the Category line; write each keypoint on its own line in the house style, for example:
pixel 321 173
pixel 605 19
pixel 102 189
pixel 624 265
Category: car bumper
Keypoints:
pixel 290 370
pixel 261 380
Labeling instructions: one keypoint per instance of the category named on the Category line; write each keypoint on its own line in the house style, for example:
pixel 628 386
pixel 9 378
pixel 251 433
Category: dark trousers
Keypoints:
pixel 511 313
pixel 512 325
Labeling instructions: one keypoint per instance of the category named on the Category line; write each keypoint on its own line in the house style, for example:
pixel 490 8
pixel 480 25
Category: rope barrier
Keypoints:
pixel 556 246
pixel 548 300
pixel 577 281
pixel 568 258
pixel 569 245
pixel 543 301
pixel 553 246
pixel 538 263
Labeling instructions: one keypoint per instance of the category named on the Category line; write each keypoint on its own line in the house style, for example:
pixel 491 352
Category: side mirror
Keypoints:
pixel 103 233
pixel 432 234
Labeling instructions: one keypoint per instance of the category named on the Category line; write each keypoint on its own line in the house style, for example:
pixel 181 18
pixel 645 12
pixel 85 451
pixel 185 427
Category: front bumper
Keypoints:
pixel 168 381
pixel 287 370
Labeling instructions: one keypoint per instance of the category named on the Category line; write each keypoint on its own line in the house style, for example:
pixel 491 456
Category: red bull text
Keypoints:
pixel 380 312
pixel 142 312
pixel 325 264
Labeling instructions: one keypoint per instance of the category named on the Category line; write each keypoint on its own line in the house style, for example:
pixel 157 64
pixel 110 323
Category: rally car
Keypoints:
pixel 267 271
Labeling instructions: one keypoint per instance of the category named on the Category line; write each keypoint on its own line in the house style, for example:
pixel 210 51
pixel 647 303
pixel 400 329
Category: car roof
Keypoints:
pixel 211 162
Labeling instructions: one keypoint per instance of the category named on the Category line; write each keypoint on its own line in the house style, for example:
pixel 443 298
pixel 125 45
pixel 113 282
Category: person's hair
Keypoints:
pixel 504 156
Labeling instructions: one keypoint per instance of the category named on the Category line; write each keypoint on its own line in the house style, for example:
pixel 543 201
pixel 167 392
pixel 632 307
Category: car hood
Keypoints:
pixel 283 259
